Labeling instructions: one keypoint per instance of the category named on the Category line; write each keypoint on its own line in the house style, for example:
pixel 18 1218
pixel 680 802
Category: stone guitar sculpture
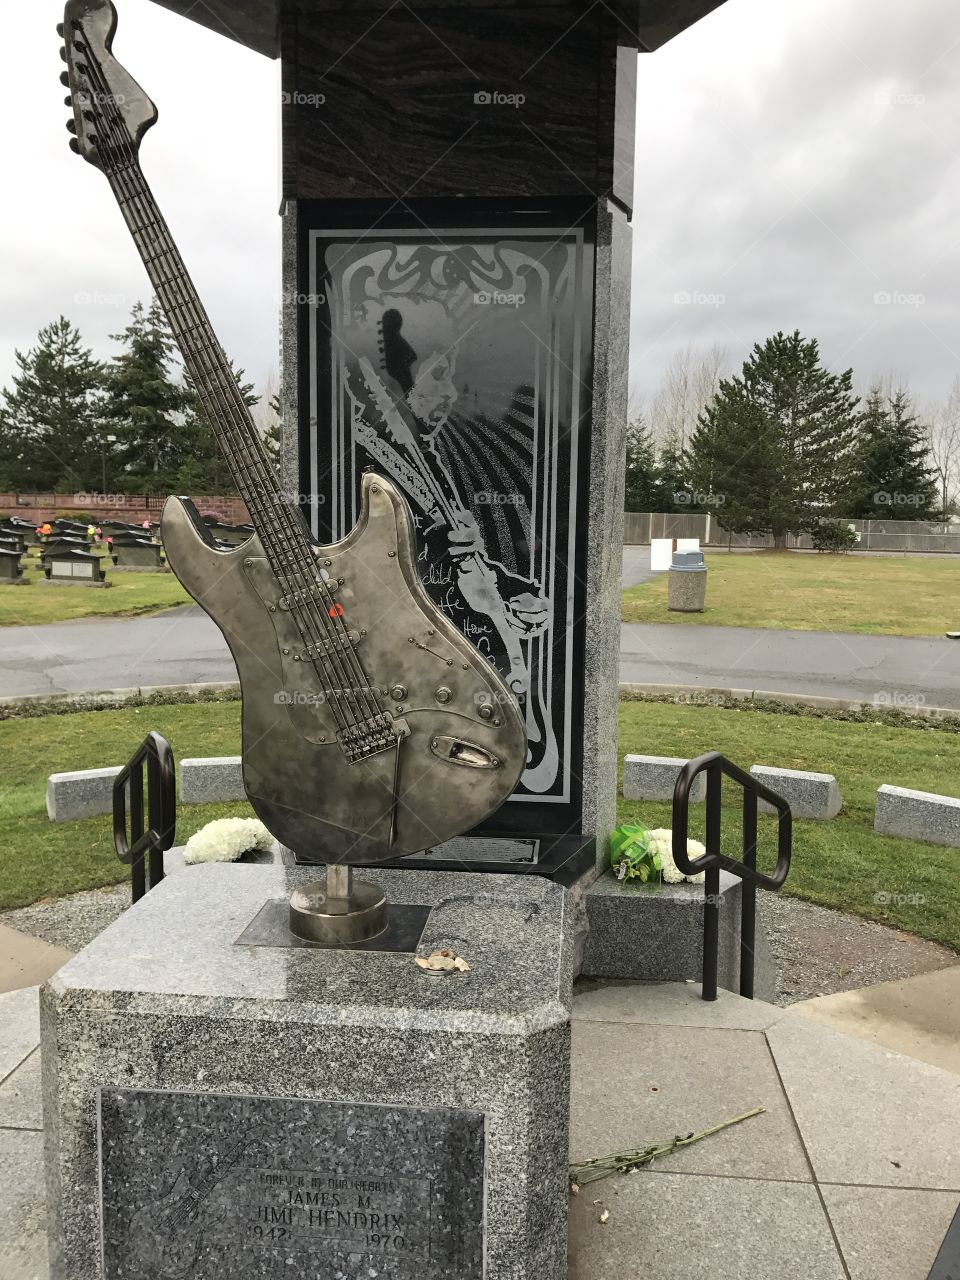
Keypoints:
pixel 371 727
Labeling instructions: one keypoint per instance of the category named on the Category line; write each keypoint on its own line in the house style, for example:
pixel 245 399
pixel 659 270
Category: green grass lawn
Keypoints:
pixel 882 595
pixel 40 858
pixel 131 593
pixel 842 863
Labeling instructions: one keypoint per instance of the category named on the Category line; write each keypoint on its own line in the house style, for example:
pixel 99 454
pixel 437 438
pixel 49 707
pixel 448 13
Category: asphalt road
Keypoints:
pixel 183 646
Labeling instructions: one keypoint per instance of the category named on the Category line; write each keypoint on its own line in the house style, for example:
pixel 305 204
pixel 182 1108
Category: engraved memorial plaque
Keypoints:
pixel 457 361
pixel 207 1186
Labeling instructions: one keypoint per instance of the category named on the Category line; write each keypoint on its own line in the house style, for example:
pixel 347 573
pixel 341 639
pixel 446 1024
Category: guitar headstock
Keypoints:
pixel 111 113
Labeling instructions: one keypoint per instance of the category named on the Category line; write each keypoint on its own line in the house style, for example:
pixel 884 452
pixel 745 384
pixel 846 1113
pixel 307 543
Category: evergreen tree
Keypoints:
pixel 673 479
pixel 205 469
pixel 642 487
pixel 147 406
pixel 273 434
pixel 891 478
pixel 777 440
pixel 51 420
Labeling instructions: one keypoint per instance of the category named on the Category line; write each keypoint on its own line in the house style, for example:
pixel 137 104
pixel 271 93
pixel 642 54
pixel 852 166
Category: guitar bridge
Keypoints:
pixel 370 737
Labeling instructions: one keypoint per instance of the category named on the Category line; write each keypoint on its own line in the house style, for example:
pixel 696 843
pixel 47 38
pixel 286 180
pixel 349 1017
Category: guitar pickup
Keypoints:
pixel 458 751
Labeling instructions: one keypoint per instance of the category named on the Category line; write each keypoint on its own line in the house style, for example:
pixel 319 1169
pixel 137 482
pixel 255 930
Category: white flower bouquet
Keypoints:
pixel 226 840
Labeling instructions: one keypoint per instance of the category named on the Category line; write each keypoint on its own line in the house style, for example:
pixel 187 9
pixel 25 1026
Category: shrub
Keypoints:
pixel 833 536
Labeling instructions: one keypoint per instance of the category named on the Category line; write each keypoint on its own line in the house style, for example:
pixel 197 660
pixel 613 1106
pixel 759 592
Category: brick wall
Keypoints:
pixel 134 508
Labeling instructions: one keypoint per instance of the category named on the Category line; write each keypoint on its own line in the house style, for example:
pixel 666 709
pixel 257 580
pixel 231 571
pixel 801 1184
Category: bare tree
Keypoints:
pixel 943 436
pixel 264 412
pixel 688 386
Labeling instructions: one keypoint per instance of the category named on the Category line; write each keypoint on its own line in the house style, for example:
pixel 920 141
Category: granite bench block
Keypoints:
pixel 809 795
pixel 655 934
pixel 304 1077
pixel 654 778
pixel 918 815
pixel 214 780
pixel 81 794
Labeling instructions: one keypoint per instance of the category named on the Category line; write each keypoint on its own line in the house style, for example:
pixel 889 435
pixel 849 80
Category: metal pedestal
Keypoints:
pixel 338 911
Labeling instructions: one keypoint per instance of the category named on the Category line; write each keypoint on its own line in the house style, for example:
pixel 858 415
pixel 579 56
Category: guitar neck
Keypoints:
pixel 204 358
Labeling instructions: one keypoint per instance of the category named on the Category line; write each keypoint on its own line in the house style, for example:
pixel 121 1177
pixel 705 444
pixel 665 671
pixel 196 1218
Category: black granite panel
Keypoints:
pixel 210 1186
pixel 270 927
pixel 448 102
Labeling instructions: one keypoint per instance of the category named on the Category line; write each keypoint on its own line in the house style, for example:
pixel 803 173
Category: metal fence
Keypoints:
pixel 639 528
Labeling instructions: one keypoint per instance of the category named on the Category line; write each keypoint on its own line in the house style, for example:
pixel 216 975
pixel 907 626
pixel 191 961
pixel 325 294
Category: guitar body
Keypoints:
pixel 461 741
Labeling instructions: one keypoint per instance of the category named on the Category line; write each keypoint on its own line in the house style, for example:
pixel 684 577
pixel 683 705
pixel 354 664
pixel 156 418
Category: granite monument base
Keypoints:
pixel 215 1108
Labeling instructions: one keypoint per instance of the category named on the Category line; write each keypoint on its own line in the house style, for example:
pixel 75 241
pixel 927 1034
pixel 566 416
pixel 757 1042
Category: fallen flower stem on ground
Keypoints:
pixel 624 1161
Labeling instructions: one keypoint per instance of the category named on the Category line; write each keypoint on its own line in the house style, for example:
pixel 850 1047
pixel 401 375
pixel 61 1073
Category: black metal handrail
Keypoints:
pixel 143 851
pixel 716 766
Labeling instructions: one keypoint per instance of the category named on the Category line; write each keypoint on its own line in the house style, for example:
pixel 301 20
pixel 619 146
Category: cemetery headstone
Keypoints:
pixel 11 572
pixel 69 566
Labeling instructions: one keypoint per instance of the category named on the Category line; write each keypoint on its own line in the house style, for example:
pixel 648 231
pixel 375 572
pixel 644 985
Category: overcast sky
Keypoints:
pixel 796 160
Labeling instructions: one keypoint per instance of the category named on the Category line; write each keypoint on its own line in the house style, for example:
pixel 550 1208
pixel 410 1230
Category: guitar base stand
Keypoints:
pixel 338 911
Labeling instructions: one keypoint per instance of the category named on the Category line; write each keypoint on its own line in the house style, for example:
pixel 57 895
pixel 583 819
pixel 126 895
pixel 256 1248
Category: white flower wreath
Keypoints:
pixel 661 842
pixel 227 839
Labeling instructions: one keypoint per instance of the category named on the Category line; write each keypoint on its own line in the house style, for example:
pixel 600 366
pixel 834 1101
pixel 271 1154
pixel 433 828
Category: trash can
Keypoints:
pixel 687 582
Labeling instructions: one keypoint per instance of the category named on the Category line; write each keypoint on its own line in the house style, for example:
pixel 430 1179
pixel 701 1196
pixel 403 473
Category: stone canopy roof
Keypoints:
pixel 647 24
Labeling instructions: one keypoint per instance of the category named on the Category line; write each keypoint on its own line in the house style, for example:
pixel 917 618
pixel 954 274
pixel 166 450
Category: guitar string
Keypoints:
pixel 206 360
pixel 250 465
pixel 221 413
pixel 126 193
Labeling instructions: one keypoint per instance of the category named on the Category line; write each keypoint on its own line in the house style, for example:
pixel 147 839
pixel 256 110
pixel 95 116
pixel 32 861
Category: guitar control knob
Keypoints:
pixel 443 694
pixel 398 692
pixel 485 711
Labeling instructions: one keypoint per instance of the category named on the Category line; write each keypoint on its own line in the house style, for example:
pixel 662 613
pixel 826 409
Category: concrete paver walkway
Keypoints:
pixel 852 1172
pixel 919 1016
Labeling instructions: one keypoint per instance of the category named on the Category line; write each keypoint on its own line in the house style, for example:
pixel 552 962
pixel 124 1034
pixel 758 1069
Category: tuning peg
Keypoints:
pixel 75 146
pixel 63 52
pixel 72 125
pixel 65 78
pixel 60 30
pixel 68 100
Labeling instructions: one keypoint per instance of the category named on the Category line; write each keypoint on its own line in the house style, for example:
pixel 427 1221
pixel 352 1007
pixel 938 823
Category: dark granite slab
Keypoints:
pixel 270 927
pixel 208 1186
